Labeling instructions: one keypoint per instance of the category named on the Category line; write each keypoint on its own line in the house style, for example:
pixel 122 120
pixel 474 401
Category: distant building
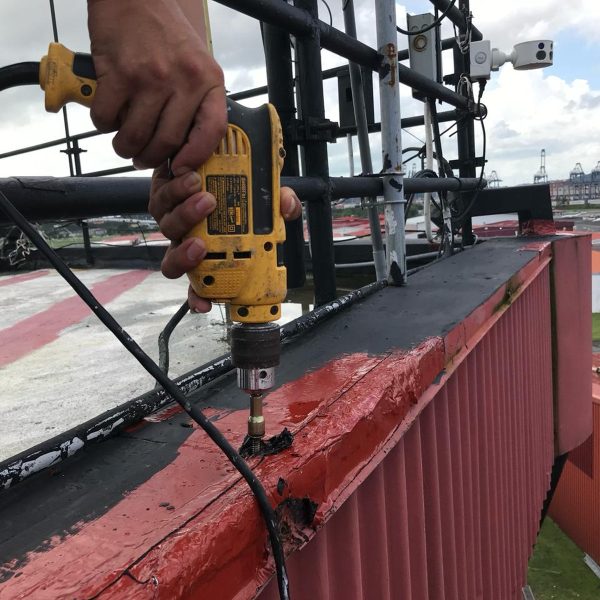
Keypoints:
pixel 579 187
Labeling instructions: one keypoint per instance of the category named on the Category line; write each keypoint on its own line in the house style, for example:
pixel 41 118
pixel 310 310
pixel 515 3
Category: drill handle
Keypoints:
pixel 67 76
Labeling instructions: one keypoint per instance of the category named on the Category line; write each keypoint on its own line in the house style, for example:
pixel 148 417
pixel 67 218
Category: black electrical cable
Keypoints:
pixel 25 73
pixel 447 242
pixel 429 27
pixel 457 219
pixel 423 173
pixel 329 11
pixel 165 335
pixel 154 370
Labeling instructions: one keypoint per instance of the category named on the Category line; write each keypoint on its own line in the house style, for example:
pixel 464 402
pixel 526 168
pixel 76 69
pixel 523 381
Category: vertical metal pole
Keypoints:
pixel 362 130
pixel 350 154
pixel 76 156
pixel 280 84
pixel 310 83
pixel 64 110
pixel 391 144
pixel 89 257
pixel 465 134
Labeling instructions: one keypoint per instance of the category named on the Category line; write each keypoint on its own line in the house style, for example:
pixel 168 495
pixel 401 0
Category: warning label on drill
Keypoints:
pixel 230 217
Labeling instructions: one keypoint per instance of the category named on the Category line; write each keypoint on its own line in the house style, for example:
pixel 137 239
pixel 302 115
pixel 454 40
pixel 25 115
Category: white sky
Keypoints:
pixel 556 109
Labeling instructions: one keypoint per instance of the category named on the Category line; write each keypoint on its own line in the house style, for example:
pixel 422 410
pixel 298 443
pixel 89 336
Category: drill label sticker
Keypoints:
pixel 231 215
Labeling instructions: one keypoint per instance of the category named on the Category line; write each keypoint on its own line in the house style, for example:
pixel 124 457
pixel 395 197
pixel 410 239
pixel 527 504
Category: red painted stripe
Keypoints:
pixel 44 327
pixel 22 277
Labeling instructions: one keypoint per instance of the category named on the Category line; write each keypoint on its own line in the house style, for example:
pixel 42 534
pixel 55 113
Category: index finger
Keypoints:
pixel 210 126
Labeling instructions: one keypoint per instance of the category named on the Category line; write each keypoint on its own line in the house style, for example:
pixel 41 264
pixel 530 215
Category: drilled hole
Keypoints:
pixel 274 310
pixel 208 280
pixel 268 246
pixel 243 311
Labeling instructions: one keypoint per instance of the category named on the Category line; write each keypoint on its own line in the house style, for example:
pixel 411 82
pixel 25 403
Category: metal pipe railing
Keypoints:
pixel 360 118
pixel 299 22
pixel 54 198
pixel 312 110
pixel 280 82
pixel 406 123
pixel 50 144
pixel 446 44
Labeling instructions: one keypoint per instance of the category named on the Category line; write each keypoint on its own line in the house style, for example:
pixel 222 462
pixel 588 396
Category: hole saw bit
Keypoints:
pixel 244 235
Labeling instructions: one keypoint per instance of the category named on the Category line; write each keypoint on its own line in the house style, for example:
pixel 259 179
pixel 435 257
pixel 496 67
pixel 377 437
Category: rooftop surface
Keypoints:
pixel 60 366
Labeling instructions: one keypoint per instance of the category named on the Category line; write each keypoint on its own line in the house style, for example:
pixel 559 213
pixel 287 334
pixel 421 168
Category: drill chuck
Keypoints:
pixel 256 380
pixel 255 351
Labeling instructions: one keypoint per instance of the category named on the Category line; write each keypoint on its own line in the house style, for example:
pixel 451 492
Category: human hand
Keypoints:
pixel 178 205
pixel 157 84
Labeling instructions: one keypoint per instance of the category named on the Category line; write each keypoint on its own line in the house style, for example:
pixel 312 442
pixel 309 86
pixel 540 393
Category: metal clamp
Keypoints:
pixel 313 129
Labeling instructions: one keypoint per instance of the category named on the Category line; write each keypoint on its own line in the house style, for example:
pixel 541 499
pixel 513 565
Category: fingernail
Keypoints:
pixel 139 165
pixel 181 171
pixel 196 250
pixel 205 205
pixel 293 208
pixel 192 182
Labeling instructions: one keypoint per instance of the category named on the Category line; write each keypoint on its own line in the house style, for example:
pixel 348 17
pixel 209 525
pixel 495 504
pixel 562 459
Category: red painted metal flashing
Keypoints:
pixel 428 468
pixel 44 327
pixel 576 503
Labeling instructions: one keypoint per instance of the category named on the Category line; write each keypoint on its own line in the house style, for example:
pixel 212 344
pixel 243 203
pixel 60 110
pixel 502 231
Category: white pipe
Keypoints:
pixel 391 142
pixel 428 165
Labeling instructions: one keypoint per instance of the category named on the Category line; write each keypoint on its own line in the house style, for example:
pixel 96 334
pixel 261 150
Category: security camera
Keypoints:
pixel 524 56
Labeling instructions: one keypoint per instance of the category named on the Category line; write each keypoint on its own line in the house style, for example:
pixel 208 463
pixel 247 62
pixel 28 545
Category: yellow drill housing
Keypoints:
pixel 244 235
pixel 66 76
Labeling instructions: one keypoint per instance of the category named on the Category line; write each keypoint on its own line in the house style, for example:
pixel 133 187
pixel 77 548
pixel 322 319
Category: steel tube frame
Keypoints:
pixel 360 117
pixel 47 199
pixel 301 23
pixel 280 84
pixel 465 138
pixel 312 107
pixel 447 44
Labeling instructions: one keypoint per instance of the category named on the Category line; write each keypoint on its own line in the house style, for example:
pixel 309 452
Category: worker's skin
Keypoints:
pixel 161 90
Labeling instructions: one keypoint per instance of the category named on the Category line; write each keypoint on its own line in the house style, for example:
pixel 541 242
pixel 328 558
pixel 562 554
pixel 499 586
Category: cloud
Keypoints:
pixel 502 130
pixel 512 21
pixel 589 101
pixel 539 112
pixel 527 111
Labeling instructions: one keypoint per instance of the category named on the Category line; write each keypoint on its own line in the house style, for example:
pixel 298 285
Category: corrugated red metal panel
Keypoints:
pixel 573 301
pixel 452 511
pixel 576 503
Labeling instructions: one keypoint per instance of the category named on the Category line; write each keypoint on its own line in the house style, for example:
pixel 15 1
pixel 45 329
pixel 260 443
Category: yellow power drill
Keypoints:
pixel 244 235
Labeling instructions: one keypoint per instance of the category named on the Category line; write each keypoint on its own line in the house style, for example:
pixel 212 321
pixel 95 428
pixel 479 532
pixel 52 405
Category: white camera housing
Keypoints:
pixel 525 56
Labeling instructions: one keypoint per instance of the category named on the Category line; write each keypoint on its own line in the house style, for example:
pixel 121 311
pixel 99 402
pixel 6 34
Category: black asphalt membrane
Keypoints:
pixel 93 481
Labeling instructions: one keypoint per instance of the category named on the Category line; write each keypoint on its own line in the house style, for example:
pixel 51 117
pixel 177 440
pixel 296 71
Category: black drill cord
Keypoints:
pixel 154 370
pixel 25 73
pixel 165 335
